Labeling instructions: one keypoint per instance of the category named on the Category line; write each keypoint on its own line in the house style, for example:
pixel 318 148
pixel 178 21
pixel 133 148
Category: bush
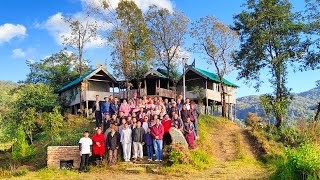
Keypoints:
pixel 178 154
pixel 253 121
pixel 21 149
pixel 300 163
pixel 20 173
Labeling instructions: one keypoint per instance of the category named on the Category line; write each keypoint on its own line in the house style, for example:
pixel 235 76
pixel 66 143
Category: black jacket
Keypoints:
pixel 113 142
pixel 138 136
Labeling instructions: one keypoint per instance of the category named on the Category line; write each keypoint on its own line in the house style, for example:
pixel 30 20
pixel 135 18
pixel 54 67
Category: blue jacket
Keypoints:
pixel 114 108
pixel 148 139
pixel 105 107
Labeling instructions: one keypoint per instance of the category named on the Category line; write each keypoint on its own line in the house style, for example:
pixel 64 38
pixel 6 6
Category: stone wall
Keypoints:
pixel 62 153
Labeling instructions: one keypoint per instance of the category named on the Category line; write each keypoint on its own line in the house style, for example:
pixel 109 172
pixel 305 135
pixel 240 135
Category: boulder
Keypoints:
pixel 177 137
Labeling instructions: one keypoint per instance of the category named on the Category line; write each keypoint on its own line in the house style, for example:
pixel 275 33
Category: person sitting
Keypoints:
pixel 138 141
pixel 113 142
pixel 176 122
pixel 98 144
pixel 126 141
pixel 157 133
pixel 85 148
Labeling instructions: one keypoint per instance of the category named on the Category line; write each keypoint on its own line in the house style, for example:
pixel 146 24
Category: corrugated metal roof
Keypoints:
pixel 214 77
pixel 76 81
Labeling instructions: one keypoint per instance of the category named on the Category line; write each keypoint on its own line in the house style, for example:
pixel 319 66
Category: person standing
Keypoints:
pixel 97 111
pixel 138 134
pixel 166 122
pixel 125 108
pixel 157 133
pixel 85 148
pixel 113 142
pixel 126 141
pixel 189 133
pixel 149 143
pixel 194 115
pixel 98 144
pixel 114 107
pixel 184 113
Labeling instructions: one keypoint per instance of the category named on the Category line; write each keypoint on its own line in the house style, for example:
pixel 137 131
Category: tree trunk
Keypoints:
pixel 128 88
pixel 279 95
pixel 223 101
pixel 81 89
pixel 316 117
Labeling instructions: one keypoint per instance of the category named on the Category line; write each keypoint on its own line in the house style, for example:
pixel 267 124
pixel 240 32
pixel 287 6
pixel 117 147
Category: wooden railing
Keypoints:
pixel 165 92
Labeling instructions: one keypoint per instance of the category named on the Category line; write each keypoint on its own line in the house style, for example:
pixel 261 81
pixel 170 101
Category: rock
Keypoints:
pixel 26 167
pixel 177 137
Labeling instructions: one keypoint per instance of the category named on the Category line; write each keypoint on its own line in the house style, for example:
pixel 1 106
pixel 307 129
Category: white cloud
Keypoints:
pixel 59 28
pixel 21 54
pixel 142 4
pixel 9 31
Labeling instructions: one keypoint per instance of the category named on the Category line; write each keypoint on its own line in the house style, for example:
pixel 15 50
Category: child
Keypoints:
pixel 149 143
pixel 85 148
pixel 189 133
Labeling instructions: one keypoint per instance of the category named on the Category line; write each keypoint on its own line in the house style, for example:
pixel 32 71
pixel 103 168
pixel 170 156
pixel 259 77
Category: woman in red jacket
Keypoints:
pixel 98 144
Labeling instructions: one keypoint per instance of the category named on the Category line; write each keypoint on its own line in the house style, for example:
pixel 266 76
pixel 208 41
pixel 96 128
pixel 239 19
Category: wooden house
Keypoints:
pixel 154 83
pixel 210 83
pixel 95 82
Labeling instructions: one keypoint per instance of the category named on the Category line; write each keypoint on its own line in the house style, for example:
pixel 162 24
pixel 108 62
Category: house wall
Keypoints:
pixel 72 95
pixel 98 86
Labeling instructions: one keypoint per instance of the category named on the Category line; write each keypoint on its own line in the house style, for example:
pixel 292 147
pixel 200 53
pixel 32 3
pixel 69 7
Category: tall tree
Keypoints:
pixel 269 34
pixel 217 42
pixel 82 33
pixel 168 30
pixel 56 70
pixel 139 50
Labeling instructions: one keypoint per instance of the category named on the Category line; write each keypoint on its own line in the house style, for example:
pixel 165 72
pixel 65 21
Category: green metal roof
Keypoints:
pixel 76 81
pixel 214 77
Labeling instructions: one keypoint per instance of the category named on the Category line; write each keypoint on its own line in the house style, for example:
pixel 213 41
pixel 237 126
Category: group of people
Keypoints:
pixel 137 125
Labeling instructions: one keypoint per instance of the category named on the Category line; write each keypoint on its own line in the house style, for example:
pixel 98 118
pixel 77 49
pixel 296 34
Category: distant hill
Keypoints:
pixel 301 106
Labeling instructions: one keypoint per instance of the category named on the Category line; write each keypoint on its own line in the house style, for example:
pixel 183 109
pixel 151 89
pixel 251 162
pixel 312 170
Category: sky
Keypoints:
pixel 32 29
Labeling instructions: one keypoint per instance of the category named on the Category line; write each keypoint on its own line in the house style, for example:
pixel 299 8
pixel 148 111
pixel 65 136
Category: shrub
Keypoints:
pixel 20 173
pixel 253 121
pixel 21 148
pixel 178 154
pixel 300 163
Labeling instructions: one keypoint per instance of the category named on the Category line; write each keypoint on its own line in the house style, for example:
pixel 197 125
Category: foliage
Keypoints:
pixel 178 154
pixel 199 93
pixel 21 148
pixel 253 121
pixel 38 96
pixel 217 42
pixel 167 33
pixel 56 70
pixel 300 163
pixel 131 44
pixel 28 122
pixel 270 39
pixel 53 122
pixel 20 173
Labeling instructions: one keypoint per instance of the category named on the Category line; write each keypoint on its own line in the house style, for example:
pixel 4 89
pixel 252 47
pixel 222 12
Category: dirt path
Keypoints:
pixel 235 156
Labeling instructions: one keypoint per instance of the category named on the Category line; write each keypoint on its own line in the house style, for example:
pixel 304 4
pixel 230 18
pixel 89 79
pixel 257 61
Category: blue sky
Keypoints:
pixel 29 30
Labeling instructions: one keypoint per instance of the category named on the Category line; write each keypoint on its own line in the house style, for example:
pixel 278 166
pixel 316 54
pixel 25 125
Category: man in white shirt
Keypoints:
pixel 85 147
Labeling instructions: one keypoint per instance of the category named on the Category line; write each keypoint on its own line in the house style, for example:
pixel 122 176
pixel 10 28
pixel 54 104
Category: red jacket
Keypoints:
pixel 166 125
pixel 157 131
pixel 101 139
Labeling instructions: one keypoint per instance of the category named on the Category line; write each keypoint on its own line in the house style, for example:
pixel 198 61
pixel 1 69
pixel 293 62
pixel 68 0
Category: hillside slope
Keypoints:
pixel 301 106
pixel 226 144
